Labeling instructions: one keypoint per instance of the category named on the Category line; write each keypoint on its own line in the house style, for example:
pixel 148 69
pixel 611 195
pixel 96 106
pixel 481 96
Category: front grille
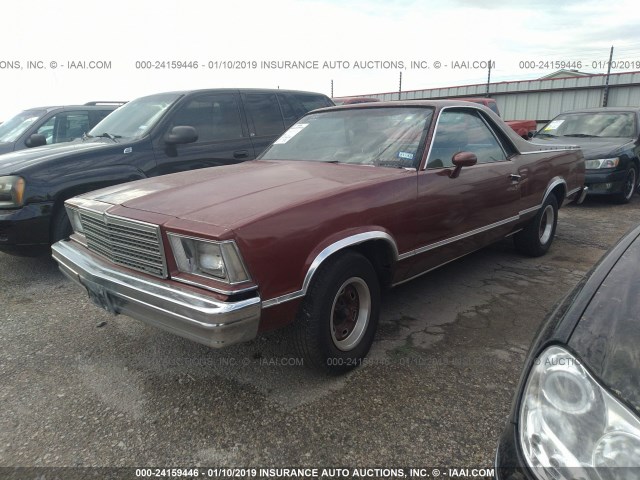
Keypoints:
pixel 125 242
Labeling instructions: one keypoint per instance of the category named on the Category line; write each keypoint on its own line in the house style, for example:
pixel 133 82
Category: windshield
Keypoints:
pixel 591 124
pixel 389 137
pixel 13 128
pixel 136 118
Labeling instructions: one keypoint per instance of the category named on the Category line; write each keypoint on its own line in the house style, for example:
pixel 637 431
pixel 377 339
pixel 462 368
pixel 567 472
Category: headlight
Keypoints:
pixel 571 427
pixel 11 192
pixel 601 163
pixel 74 219
pixel 220 260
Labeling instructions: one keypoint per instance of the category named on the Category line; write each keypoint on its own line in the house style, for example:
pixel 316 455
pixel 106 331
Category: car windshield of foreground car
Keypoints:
pixel 596 124
pixel 134 119
pixel 382 136
pixel 11 130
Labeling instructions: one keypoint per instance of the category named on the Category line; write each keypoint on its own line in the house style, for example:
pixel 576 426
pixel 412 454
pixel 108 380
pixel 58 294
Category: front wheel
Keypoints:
pixel 536 238
pixel 337 321
pixel 60 225
pixel 629 186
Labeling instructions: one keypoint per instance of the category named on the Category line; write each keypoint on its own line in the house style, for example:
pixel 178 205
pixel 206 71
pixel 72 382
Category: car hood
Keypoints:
pixel 14 162
pixel 591 147
pixel 607 337
pixel 232 195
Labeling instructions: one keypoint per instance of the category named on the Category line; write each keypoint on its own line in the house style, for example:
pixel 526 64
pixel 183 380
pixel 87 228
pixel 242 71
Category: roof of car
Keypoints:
pixel 605 109
pixel 74 107
pixel 206 90
pixel 412 103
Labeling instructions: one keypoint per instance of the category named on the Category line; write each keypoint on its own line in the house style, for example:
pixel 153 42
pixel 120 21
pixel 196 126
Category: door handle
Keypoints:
pixel 240 154
pixel 515 178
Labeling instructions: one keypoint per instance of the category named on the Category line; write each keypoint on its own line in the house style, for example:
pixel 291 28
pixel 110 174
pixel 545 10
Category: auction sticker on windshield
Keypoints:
pixel 292 132
pixel 554 125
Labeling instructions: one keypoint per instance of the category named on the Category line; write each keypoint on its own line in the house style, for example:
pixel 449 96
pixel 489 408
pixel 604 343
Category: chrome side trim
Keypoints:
pixel 529 210
pixel 561 148
pixel 575 190
pixel 433 268
pixel 327 252
pixel 462 236
pixel 555 181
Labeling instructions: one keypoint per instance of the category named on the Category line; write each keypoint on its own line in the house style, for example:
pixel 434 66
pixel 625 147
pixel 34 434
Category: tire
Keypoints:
pixel 337 320
pixel 629 186
pixel 536 238
pixel 60 226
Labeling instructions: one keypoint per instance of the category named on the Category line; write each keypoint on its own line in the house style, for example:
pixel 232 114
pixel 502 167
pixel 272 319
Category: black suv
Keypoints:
pixel 48 125
pixel 149 136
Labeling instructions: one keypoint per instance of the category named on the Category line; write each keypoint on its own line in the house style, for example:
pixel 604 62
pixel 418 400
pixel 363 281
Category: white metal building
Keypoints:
pixel 540 99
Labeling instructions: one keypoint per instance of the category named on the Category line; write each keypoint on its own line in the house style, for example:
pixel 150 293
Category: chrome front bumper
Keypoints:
pixel 172 307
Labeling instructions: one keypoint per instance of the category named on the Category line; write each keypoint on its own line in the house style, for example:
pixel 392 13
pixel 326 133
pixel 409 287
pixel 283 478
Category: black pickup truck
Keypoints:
pixel 150 136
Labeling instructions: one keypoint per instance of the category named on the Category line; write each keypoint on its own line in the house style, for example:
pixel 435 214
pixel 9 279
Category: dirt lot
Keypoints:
pixel 436 391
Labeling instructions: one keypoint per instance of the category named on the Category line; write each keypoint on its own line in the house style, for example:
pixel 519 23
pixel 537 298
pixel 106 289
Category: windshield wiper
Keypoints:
pixel 546 135
pixel 581 135
pixel 109 136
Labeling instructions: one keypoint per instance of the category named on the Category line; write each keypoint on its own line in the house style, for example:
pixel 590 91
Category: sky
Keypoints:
pixel 361 46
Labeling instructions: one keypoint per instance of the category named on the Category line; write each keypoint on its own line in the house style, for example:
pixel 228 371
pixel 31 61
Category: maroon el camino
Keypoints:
pixel 348 201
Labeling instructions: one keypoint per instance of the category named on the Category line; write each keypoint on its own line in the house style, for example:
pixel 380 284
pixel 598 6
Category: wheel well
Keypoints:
pixel 381 256
pixel 560 191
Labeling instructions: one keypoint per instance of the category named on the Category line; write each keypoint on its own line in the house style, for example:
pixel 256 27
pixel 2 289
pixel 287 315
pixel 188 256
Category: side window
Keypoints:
pixel 463 131
pixel 289 110
pixel 263 111
pixel 311 102
pixel 65 126
pixel 215 117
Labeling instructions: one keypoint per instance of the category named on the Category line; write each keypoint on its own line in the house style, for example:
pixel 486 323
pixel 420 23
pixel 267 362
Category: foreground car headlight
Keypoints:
pixel 601 163
pixel 74 219
pixel 11 191
pixel 570 427
pixel 220 260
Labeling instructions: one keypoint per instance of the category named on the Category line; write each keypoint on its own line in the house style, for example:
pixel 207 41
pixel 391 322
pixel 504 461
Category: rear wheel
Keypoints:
pixel 629 186
pixel 337 321
pixel 536 238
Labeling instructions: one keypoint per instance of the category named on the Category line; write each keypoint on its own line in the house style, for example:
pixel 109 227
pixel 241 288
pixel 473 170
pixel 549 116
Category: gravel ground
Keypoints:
pixel 436 389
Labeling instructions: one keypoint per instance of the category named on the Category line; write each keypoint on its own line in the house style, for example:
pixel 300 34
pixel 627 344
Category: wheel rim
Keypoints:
pixel 546 224
pixel 630 184
pixel 350 313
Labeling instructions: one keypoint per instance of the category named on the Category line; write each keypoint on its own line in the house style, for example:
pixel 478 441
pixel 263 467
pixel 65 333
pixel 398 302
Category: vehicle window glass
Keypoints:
pixel 46 129
pixel 289 112
pixel 264 112
pixel 463 131
pixel 215 117
pixel 311 102
pixel 596 124
pixel 136 118
pixel 64 127
pixel 384 137
pixel 15 126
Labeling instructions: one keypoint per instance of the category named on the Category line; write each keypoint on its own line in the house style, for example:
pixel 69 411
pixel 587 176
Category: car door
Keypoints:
pixel 223 137
pixel 458 215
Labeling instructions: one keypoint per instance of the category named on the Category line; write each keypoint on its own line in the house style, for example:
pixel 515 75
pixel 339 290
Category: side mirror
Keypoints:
pixel 36 140
pixel 531 134
pixel 181 134
pixel 462 159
